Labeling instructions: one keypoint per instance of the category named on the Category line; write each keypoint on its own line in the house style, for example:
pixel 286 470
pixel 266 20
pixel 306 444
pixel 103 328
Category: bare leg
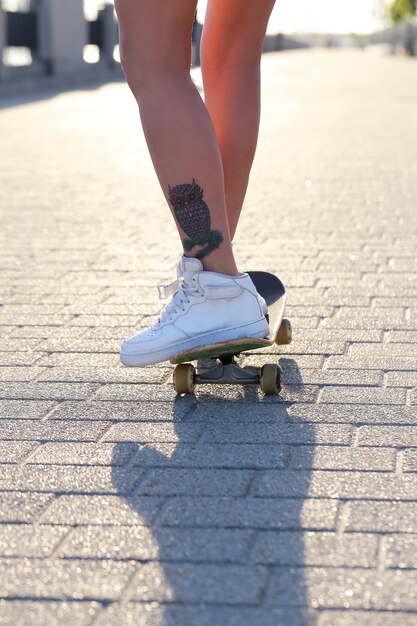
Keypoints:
pixel 231 49
pixel 155 44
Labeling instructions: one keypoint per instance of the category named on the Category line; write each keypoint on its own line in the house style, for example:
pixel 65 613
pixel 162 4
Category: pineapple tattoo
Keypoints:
pixel 193 216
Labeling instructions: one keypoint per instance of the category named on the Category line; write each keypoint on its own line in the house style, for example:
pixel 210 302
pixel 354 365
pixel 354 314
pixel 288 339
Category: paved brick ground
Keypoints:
pixel 122 504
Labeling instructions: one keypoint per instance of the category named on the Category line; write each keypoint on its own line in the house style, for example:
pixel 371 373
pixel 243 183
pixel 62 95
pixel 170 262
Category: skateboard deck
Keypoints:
pixel 228 371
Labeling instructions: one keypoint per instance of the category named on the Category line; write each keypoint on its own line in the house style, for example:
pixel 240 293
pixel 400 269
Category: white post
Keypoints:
pixel 110 37
pixel 63 35
pixel 3 37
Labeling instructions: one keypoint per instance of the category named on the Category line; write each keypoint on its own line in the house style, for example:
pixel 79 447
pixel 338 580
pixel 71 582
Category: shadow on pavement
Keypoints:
pixel 227 539
pixel 47 92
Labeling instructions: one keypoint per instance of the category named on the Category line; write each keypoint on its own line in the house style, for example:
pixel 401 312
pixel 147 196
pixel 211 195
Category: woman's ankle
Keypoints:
pixel 221 266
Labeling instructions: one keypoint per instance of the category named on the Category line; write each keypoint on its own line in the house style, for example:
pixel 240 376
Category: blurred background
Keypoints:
pixel 64 42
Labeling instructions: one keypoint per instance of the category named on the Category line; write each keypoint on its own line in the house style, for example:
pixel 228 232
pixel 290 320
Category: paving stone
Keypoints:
pixel 249 513
pixel 27 409
pixel 362 395
pixel 353 413
pixel 15 451
pixel 101 375
pixel 101 509
pixel 392 319
pixel 401 363
pixel 378 516
pixel 298 346
pixel 199 482
pixel 26 540
pixel 25 309
pixel 29 612
pixel 58 578
pixel 58 430
pixel 306 310
pixel 211 413
pixel 320 549
pixel 45 391
pixel 193 583
pixel 123 411
pixel 9 359
pixel 343 458
pixel 402 336
pixel 108 347
pixel 335 588
pixel 77 360
pixel 18 344
pixel 408 299
pixel 5 331
pixel 336 377
pixel 331 280
pixel 22 506
pixel 308 322
pixel 141 432
pixel 111 333
pixel 167 544
pixel 388 436
pixel 336 484
pixel 212 455
pixel 401 379
pixel 18 374
pixel 74 453
pixel 103 320
pixel 62 478
pixel 410 461
pixel 136 393
pixel 354 335
pixel 401 551
pixel 389 349
pixel 311 361
pixel 366 618
pixel 281 434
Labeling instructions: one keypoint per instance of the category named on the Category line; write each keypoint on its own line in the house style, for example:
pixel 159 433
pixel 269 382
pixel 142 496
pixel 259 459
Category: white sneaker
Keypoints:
pixel 206 308
pixel 180 273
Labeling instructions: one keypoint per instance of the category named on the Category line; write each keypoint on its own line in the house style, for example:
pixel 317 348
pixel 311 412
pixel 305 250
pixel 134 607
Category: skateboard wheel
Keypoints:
pixel 284 334
pixel 271 379
pixel 183 378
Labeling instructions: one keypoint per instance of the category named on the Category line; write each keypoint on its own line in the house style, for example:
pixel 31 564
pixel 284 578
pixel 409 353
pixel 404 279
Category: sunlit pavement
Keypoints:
pixel 123 504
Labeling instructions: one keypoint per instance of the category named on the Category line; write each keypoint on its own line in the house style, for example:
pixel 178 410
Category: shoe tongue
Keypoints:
pixel 189 267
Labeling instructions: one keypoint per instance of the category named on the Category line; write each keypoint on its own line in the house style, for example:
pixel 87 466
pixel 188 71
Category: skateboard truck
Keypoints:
pixel 228 372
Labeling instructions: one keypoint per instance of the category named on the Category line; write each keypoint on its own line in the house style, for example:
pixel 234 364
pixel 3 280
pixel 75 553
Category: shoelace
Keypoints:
pixel 180 298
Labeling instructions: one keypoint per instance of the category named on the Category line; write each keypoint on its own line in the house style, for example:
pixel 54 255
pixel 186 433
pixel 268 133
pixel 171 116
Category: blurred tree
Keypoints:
pixel 402 9
pixel 405 10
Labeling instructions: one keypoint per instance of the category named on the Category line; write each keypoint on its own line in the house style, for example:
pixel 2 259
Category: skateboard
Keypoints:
pixel 224 368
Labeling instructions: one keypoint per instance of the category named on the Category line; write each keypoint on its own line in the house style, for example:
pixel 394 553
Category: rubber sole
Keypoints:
pixel 258 329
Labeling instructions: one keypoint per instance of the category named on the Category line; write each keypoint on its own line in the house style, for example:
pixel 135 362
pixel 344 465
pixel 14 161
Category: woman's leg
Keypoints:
pixel 231 49
pixel 155 46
